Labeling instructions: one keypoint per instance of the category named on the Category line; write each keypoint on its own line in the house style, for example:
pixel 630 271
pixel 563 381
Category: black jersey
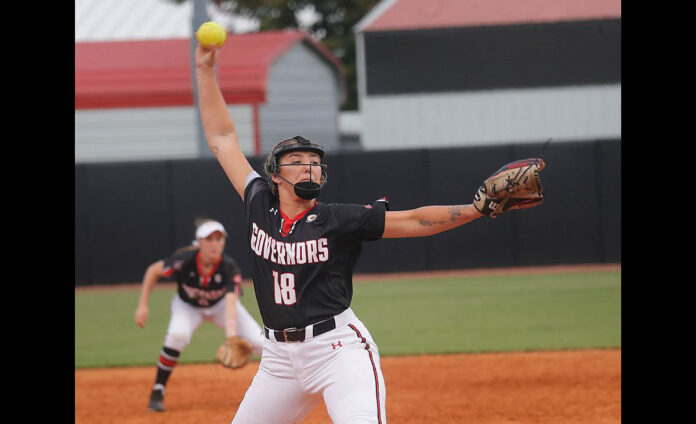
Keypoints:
pixel 303 265
pixel 197 288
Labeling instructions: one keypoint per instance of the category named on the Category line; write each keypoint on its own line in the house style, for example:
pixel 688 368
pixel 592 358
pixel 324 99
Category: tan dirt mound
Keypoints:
pixel 569 387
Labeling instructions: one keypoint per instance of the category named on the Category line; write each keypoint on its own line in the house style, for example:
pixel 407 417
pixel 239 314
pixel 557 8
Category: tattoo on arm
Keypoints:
pixel 455 212
pixel 427 223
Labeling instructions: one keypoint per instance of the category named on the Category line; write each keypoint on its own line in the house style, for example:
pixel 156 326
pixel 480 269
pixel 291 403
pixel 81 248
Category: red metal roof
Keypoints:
pixel 420 14
pixel 158 72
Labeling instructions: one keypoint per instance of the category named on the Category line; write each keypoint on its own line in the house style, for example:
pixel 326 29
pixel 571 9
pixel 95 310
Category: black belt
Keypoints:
pixel 298 334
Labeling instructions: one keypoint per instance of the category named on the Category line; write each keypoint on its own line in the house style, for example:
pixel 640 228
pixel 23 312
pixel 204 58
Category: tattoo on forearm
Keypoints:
pixel 455 212
pixel 427 223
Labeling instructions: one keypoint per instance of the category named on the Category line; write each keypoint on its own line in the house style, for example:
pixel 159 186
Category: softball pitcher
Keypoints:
pixel 208 289
pixel 303 253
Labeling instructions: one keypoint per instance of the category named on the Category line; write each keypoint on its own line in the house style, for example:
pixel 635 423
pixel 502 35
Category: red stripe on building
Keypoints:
pixel 157 73
pixel 419 14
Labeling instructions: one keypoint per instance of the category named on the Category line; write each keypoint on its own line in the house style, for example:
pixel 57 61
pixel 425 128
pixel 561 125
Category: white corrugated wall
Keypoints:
pixel 489 117
pixel 302 98
pixel 154 133
pixel 108 20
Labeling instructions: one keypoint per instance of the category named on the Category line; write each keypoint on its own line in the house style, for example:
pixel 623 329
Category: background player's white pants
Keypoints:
pixel 341 366
pixel 186 318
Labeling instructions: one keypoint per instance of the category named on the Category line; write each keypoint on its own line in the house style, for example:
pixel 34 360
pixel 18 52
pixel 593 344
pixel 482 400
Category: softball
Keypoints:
pixel 211 33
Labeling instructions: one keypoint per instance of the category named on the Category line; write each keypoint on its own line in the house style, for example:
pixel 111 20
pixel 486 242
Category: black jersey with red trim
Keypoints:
pixel 303 265
pixel 199 289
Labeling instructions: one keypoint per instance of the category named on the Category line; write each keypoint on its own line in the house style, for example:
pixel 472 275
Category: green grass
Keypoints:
pixel 439 315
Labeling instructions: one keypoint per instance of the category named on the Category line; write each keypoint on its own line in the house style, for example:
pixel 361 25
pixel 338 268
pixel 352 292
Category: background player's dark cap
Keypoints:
pixel 302 144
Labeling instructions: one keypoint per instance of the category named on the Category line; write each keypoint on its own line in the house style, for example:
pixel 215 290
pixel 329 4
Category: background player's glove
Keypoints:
pixel 235 352
pixel 517 185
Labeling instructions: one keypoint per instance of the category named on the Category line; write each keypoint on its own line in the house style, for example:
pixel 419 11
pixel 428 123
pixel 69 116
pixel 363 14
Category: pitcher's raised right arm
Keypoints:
pixel 217 124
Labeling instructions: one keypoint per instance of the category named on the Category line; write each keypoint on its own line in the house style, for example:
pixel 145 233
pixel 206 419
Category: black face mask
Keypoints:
pixel 307 190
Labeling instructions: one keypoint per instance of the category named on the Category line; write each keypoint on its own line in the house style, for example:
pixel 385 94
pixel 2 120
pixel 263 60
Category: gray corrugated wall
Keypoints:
pixel 155 133
pixel 302 98
pixel 128 215
pixel 488 117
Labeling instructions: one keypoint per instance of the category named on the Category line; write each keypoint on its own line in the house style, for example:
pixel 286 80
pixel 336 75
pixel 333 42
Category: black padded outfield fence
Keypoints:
pixel 130 214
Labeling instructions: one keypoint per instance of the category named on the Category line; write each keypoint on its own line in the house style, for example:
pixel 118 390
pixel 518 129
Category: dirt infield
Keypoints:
pixel 569 387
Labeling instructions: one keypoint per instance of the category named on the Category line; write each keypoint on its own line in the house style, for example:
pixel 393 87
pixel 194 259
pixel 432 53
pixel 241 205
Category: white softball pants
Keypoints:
pixel 185 319
pixel 340 366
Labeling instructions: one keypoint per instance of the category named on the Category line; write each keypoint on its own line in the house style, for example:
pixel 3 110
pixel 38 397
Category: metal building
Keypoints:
pixel 134 98
pixel 474 72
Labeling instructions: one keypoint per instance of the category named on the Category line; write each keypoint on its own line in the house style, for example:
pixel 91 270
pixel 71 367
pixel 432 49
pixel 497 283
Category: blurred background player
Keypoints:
pixel 303 253
pixel 208 289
